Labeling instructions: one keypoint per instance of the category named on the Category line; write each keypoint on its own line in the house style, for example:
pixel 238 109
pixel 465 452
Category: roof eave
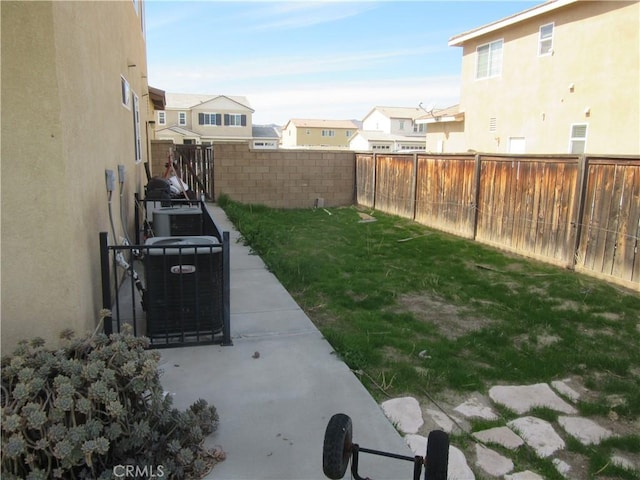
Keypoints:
pixel 460 39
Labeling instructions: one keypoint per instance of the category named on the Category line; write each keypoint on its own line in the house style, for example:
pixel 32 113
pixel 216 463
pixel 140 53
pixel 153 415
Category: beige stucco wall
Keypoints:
pixel 63 124
pixel 596 48
pixel 284 178
pixel 451 134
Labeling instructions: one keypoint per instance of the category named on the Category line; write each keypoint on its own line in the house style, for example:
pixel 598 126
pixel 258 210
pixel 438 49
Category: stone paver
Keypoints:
pixel 521 399
pixel 538 434
pixel 441 419
pixel 522 432
pixel 586 431
pixel 405 412
pixel 502 436
pixel 475 408
pixel 526 475
pixel 492 462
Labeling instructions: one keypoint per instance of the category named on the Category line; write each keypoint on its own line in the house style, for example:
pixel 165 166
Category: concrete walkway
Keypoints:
pixel 277 386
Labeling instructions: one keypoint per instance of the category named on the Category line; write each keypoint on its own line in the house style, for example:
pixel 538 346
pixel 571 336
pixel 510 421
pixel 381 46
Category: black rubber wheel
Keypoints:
pixel 336 451
pixel 437 459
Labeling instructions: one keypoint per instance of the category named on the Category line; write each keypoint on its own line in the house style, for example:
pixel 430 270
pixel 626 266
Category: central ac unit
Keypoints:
pixel 175 221
pixel 184 285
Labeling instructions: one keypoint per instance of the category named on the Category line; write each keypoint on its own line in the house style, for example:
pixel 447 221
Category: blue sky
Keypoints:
pixel 303 59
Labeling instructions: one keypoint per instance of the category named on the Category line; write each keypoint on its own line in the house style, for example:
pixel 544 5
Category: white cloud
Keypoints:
pixel 352 100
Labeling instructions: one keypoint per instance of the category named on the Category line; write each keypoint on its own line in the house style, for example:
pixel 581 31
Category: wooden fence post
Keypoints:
pixel 476 194
pixel 581 191
pixel 414 187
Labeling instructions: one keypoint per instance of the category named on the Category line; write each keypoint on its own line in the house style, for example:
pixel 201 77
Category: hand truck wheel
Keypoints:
pixel 336 451
pixel 437 459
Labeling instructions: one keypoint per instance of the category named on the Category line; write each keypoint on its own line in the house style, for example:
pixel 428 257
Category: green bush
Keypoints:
pixel 93 405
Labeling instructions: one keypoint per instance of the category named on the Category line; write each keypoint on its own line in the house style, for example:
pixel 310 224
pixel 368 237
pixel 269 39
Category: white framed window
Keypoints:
pixel 419 128
pixel 401 124
pixel 489 60
pixel 545 40
pixel 209 119
pixel 162 118
pixel 182 118
pixel 578 138
pixel 125 92
pixel 328 133
pixel 348 133
pixel 308 132
pixel 235 120
pixel 136 129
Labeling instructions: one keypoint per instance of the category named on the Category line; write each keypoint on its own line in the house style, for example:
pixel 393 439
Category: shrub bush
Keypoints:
pixel 93 405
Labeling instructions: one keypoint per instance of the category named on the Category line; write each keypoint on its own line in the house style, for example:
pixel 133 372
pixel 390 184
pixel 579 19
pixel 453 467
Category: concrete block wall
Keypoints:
pixel 284 178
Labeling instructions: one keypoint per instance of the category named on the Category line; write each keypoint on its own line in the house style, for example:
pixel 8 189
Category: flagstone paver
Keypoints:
pixel 502 436
pixel 492 462
pixel 521 399
pixel 538 434
pixel 405 412
pixel 475 408
pixel 526 475
pixel 586 431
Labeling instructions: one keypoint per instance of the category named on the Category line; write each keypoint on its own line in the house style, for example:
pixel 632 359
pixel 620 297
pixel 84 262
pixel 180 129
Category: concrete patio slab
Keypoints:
pixel 277 387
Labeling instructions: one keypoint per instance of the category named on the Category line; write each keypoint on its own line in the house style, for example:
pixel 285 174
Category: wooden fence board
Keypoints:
pixel 445 194
pixel 394 185
pixel 365 180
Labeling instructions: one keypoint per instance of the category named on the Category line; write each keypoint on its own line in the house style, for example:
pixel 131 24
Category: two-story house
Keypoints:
pixel 390 129
pixel 204 119
pixel 561 77
pixel 75 108
pixel 309 133
pixel 444 129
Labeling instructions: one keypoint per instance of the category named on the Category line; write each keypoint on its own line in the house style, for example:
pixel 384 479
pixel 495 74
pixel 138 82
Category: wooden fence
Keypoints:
pixel 581 212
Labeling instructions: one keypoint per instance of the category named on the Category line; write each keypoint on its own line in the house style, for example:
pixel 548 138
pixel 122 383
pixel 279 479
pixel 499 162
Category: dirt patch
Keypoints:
pixel 452 321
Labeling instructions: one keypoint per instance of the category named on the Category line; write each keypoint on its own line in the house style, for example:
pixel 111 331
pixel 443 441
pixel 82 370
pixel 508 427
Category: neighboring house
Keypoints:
pixel 304 133
pixel 561 77
pixel 204 119
pixel 265 137
pixel 75 103
pixel 444 130
pixel 390 129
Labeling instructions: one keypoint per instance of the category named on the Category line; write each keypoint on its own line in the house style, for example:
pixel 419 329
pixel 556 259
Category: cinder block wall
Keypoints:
pixel 159 156
pixel 284 178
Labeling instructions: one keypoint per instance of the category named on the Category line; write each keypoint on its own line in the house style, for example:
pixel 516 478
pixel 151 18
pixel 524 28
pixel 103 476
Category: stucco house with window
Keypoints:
pixel 561 77
pixel 75 105
pixel 310 133
pixel 390 129
pixel 204 119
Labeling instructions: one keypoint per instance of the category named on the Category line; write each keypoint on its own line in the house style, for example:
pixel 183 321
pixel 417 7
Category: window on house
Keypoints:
pixel 489 60
pixel 162 118
pixel 328 133
pixel 182 118
pixel 545 43
pixel 308 132
pixel 209 119
pixel 235 120
pixel 124 91
pixel 578 140
pixel 348 133
pixel 401 124
pixel 419 127
pixel 136 130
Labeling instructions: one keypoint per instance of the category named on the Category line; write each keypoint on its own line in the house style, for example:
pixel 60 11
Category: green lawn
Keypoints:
pixel 419 312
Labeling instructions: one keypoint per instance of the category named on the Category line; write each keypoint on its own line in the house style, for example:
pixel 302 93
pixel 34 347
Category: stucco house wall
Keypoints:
pixel 63 125
pixel 591 77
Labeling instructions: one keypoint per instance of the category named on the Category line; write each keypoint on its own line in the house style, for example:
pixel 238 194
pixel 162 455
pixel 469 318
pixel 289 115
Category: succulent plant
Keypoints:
pixel 92 404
